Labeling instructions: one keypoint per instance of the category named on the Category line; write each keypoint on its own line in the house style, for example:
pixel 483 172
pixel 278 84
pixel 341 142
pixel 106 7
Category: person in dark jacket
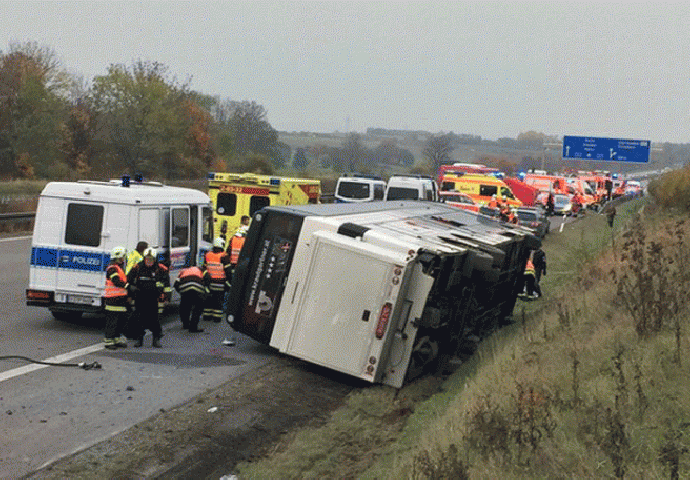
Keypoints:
pixel 148 280
pixel 191 286
pixel 116 302
pixel 539 260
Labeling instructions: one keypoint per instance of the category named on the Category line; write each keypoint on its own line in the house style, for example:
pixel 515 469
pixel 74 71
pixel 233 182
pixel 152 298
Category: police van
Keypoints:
pixel 79 223
pixel 412 187
pixel 359 188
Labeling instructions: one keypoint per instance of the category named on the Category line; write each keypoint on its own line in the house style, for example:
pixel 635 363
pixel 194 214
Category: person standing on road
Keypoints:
pixel 136 255
pixel 147 281
pixel 192 289
pixel 539 260
pixel 218 275
pixel 116 301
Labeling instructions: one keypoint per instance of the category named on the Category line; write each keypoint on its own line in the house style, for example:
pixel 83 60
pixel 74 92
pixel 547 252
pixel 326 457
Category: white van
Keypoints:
pixel 359 188
pixel 412 187
pixel 79 223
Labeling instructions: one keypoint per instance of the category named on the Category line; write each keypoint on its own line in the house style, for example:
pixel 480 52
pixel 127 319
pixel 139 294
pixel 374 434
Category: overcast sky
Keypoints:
pixel 491 69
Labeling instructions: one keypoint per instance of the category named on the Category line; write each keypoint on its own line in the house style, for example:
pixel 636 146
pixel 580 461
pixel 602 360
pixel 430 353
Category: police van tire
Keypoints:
pixel 66 316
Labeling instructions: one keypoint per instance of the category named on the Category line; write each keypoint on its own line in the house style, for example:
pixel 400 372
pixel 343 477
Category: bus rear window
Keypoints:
pixel 84 224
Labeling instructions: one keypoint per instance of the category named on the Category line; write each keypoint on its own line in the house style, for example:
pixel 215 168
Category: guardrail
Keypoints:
pixel 16 222
pixel 17 216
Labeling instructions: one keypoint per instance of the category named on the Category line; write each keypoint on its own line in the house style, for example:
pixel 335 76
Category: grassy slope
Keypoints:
pixel 569 390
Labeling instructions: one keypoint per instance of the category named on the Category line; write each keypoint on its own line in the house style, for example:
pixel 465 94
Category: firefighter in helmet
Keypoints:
pixel 218 275
pixel 190 284
pixel 148 280
pixel 115 299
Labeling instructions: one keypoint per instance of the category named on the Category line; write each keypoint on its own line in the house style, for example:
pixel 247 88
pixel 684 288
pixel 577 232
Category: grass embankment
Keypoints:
pixel 583 385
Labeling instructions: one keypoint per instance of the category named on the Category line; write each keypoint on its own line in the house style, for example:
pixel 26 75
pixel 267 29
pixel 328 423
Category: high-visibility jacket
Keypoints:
pixel 190 280
pixel 218 271
pixel 115 295
pixel 529 268
pixel 236 244
pixel 133 258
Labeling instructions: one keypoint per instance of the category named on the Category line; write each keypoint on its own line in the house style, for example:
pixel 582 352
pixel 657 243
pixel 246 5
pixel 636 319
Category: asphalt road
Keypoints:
pixel 49 412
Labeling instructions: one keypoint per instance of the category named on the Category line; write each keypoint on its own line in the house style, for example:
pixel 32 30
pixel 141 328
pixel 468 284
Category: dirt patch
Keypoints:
pixel 207 436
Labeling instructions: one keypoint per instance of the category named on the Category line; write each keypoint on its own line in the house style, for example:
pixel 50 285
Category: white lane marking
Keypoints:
pixel 14 238
pixel 56 359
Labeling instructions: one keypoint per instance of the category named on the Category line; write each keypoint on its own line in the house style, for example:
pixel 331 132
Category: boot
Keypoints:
pixel 110 343
pixel 156 342
pixel 139 343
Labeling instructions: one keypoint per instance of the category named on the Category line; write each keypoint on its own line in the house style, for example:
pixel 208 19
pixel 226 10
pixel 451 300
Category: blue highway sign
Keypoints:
pixel 606 149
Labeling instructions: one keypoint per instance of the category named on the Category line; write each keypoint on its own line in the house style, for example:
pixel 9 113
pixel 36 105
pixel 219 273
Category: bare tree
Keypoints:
pixel 437 150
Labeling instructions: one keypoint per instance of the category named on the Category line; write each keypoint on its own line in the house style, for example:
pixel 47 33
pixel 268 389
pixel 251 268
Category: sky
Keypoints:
pixel 493 69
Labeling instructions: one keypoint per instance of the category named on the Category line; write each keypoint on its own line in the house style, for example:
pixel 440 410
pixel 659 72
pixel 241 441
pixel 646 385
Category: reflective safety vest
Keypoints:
pixel 214 266
pixel 236 244
pixel 190 280
pixel 529 268
pixel 133 258
pixel 115 294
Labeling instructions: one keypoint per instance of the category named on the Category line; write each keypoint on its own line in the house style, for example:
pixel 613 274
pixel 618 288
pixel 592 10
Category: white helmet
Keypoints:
pixel 150 252
pixel 118 253
pixel 219 242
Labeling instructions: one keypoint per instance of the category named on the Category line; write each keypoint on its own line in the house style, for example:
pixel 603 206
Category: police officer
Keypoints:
pixel 115 299
pixel 147 281
pixel 136 255
pixel 218 275
pixel 190 285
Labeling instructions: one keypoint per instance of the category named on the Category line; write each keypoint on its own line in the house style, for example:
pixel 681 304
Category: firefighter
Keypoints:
pixel 493 203
pixel 147 281
pixel 529 277
pixel 190 284
pixel 236 244
pixel 115 299
pixel 218 275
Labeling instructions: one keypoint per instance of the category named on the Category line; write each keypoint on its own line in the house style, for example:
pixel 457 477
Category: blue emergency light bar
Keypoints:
pixel 275 181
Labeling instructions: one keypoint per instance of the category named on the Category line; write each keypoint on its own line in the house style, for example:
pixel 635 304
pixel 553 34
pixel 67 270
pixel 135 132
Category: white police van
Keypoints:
pixel 78 224
pixel 359 188
pixel 412 187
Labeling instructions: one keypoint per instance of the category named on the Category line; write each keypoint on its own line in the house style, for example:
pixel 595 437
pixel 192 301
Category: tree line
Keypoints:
pixel 135 118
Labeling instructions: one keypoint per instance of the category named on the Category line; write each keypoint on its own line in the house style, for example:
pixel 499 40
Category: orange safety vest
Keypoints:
pixel 236 244
pixel 190 279
pixel 529 268
pixel 111 291
pixel 214 266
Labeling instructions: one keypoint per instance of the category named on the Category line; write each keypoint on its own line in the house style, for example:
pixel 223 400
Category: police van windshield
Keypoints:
pixel 353 190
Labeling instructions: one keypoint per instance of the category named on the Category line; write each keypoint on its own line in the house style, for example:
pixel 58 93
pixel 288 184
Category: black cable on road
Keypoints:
pixel 85 366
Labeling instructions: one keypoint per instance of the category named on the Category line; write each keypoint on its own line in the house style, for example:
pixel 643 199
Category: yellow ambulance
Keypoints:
pixel 234 195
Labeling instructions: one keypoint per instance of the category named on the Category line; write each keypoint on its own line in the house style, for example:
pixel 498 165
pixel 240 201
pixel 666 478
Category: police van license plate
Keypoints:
pixel 80 299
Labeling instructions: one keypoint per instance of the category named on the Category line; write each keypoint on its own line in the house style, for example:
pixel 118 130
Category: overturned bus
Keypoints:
pixel 383 291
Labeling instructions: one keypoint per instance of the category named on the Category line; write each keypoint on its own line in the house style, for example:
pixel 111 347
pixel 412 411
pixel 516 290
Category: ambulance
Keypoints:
pixel 480 188
pixel 234 195
pixel 79 223
pixel 382 291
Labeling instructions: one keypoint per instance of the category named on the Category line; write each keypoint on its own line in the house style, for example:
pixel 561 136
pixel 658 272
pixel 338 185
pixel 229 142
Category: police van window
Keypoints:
pixel 354 190
pixel 164 230
pixel 180 227
pixel 487 190
pixel 208 225
pixel 84 224
pixel 226 204
pixel 257 203
pixel 378 192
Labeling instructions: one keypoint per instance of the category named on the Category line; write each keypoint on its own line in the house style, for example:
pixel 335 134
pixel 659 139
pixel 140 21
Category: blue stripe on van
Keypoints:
pixel 48 257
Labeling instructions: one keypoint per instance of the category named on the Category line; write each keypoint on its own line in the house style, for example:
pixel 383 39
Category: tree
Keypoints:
pixel 300 161
pixel 437 150
pixel 143 115
pixel 33 92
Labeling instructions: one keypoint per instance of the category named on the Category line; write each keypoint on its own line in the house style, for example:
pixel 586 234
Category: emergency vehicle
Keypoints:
pixel 79 223
pixel 359 188
pixel 236 194
pixel 411 187
pixel 481 188
pixel 383 291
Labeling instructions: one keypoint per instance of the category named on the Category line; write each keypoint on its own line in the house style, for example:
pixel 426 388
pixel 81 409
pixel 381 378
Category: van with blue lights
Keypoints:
pixel 78 224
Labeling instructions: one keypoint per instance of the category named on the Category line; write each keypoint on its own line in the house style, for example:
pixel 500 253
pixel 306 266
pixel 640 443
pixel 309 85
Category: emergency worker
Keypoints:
pixel 217 277
pixel 550 204
pixel 244 225
pixel 493 203
pixel 115 299
pixel 147 281
pixel 136 255
pixel 529 277
pixel 192 289
pixel 236 244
